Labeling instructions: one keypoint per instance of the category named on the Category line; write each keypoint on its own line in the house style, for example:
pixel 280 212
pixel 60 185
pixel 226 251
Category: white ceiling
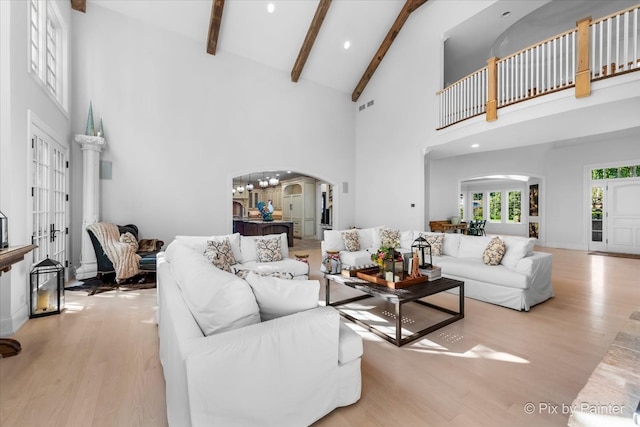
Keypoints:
pixel 248 30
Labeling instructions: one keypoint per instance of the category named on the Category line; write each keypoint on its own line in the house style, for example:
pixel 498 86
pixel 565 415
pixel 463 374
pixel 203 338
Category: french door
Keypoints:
pixel 49 207
pixel 615 216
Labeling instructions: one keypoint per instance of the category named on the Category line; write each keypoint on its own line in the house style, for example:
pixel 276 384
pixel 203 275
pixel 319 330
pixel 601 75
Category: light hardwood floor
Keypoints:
pixel 97 363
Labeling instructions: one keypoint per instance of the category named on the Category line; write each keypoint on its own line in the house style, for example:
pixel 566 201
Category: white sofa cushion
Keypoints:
pixel 219 301
pixel 480 272
pixel 407 238
pixel 288 265
pixel 249 250
pixel 516 248
pixel 281 297
pixel 473 246
pixel 333 240
pixel 355 259
pixel 369 237
pixel 451 244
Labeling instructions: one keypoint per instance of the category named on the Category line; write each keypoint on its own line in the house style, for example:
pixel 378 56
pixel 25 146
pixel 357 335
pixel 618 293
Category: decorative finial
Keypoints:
pixel 90 130
pixel 101 129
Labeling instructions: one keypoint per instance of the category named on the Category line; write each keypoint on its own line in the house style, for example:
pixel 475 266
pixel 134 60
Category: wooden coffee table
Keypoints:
pixel 398 297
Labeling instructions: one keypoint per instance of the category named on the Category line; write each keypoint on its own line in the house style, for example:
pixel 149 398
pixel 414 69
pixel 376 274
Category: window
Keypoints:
pixel 478 214
pixel 495 206
pixel 514 209
pixel 461 203
pixel 47 48
pixel 630 171
pixel 596 213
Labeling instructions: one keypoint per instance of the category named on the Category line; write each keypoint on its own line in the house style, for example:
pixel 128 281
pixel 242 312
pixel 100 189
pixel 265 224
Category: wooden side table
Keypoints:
pixel 302 257
pixel 9 256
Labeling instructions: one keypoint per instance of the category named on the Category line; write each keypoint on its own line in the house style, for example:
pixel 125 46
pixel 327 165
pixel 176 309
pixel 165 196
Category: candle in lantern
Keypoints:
pixel 43 300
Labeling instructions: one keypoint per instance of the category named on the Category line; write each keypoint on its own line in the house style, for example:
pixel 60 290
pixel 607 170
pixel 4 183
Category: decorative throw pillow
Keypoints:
pixel 220 254
pixel 436 241
pixel 494 252
pixel 351 240
pixel 268 250
pixel 390 238
pixel 129 239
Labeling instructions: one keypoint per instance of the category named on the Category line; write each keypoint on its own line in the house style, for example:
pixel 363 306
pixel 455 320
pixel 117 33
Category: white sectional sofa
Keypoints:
pixel 254 352
pixel 522 280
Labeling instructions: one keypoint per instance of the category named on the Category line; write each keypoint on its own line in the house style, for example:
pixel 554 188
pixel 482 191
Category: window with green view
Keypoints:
pixel 495 206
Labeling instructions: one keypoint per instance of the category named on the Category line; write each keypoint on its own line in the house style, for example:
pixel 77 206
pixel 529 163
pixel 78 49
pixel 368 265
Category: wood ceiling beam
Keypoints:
pixel 407 9
pixel 214 26
pixel 79 5
pixel 309 40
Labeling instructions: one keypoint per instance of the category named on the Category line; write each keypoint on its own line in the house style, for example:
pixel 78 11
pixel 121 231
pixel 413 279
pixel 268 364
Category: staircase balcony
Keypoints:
pixel 578 83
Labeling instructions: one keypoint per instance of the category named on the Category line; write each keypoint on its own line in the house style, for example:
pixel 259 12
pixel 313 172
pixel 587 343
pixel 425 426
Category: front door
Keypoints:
pixel 49 168
pixel 623 216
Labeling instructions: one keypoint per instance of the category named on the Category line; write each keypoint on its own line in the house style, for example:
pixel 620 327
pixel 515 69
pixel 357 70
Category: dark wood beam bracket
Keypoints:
pixel 214 26
pixel 309 40
pixel 407 9
pixel 79 5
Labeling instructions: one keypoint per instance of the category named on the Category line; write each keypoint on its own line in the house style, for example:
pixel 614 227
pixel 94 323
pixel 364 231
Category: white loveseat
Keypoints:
pixel 225 364
pixel 522 280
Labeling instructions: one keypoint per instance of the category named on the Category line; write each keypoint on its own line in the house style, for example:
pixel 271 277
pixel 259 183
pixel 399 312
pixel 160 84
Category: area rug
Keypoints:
pixel 615 254
pixel 95 286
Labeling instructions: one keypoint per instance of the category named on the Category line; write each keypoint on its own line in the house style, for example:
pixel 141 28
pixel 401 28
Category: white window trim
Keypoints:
pixel 62 72
pixel 506 197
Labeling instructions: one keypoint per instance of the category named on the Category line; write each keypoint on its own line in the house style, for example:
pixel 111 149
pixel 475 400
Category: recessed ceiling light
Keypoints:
pixel 347 44
pixel 475 145
pixel 271 7
pixel 506 13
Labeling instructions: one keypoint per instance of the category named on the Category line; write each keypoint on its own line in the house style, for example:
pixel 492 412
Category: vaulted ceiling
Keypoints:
pixel 305 37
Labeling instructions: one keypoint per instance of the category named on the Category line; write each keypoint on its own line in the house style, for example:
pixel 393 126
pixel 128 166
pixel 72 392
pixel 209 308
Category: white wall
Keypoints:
pixel 561 169
pixel 391 135
pixel 180 124
pixel 20 93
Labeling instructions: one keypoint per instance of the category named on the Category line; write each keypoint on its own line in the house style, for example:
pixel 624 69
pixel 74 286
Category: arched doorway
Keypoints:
pixel 302 199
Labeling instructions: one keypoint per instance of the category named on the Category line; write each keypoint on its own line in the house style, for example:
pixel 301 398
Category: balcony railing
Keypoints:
pixel 575 58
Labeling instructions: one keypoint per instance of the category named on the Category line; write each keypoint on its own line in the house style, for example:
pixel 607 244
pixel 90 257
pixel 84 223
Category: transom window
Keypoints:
pixel 616 172
pixel 47 48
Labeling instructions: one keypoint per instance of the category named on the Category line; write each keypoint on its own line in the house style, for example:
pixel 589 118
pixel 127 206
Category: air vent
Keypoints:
pixel 362 107
pixel 370 103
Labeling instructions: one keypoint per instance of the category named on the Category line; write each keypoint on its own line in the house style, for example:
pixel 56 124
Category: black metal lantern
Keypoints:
pixel 393 267
pixel 47 288
pixel 422 247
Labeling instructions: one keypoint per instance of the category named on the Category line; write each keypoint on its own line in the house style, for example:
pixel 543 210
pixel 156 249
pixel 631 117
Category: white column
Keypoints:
pixel 91 148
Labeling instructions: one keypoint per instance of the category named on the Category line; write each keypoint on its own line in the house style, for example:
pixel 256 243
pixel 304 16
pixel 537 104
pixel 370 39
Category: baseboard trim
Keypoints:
pixel 11 325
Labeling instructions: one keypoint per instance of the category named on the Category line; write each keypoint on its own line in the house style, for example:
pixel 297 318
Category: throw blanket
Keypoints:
pixel 125 261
